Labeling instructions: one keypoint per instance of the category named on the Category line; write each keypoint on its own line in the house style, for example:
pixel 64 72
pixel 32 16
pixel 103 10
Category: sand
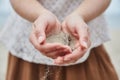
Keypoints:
pixel 112 47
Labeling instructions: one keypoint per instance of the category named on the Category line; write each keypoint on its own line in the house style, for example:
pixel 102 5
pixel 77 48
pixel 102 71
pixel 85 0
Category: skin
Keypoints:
pixel 74 24
pixel 43 23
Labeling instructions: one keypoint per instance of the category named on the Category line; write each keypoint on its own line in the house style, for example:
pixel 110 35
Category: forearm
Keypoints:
pixel 28 9
pixel 89 9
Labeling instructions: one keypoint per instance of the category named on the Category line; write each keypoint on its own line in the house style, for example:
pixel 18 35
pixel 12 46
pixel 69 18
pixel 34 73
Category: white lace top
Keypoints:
pixel 15 34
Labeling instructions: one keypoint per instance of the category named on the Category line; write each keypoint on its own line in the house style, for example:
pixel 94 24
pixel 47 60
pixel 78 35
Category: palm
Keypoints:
pixel 45 25
pixel 75 26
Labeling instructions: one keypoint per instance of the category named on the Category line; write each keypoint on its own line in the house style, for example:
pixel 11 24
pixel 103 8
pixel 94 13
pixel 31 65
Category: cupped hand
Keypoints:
pixel 47 24
pixel 74 25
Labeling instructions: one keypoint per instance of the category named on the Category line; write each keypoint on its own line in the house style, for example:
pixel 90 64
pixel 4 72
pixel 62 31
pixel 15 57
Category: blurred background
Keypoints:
pixel 112 15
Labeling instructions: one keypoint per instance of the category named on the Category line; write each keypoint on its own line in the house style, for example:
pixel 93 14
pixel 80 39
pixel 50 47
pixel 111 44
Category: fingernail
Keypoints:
pixel 85 44
pixel 40 39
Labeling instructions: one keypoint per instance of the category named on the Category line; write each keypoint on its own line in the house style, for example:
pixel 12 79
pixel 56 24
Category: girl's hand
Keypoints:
pixel 46 24
pixel 75 26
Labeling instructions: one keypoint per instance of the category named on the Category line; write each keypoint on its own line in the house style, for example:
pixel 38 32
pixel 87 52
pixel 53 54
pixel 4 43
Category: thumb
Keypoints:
pixel 40 33
pixel 41 39
pixel 64 28
pixel 41 36
pixel 84 43
pixel 83 39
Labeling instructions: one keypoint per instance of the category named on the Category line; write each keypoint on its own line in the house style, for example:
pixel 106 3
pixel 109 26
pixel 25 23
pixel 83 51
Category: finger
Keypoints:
pixel 64 29
pixel 58 60
pixel 57 53
pixel 76 54
pixel 67 62
pixel 52 55
pixel 83 36
pixel 50 47
pixel 59 27
pixel 62 62
pixel 40 32
pixel 34 41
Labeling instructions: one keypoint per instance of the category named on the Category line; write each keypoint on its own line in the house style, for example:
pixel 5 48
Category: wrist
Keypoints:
pixel 83 17
pixel 76 13
pixel 40 12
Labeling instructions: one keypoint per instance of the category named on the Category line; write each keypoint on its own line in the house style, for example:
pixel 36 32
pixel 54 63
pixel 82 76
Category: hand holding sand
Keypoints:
pixel 75 26
pixel 46 25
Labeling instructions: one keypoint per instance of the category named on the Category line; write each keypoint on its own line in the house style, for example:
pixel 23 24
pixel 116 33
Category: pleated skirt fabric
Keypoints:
pixel 97 67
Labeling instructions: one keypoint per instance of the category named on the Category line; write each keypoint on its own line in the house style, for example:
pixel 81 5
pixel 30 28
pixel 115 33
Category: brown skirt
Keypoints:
pixel 97 67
